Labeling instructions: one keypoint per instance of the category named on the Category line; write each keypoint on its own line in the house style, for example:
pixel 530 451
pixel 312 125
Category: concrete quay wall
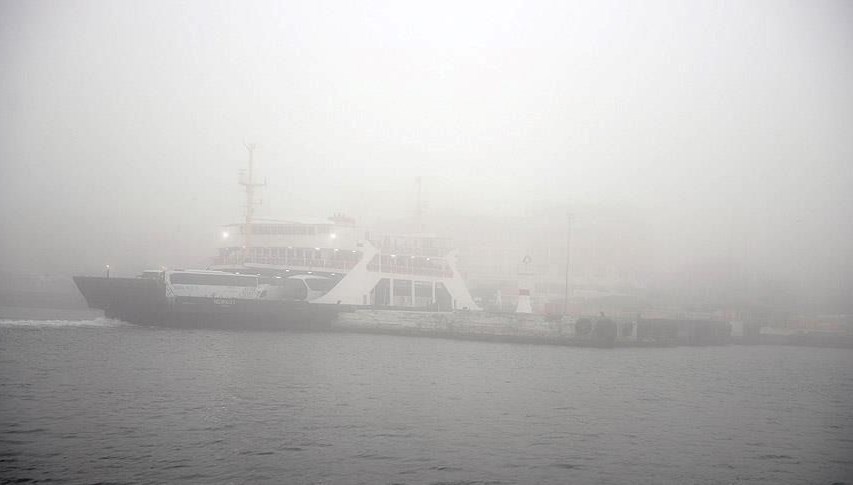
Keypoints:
pixel 526 328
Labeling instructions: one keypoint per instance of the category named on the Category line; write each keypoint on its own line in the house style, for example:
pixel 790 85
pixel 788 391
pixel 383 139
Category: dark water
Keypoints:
pixel 97 401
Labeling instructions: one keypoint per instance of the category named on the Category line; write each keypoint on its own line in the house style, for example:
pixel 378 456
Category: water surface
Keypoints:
pixel 100 401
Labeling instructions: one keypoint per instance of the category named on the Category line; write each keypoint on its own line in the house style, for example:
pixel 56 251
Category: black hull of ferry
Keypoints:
pixel 143 302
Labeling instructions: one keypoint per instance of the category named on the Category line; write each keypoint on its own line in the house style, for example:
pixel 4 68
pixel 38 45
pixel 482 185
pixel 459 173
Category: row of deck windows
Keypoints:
pixel 411 293
pixel 288 229
pixel 309 257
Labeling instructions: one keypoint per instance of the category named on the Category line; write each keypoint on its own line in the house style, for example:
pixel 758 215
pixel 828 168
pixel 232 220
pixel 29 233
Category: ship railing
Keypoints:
pixel 409 270
pixel 387 247
pixel 420 252
pixel 412 301
pixel 310 263
pixel 226 260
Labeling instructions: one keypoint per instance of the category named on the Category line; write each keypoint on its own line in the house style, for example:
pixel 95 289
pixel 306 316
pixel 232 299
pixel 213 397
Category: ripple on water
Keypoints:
pixel 93 323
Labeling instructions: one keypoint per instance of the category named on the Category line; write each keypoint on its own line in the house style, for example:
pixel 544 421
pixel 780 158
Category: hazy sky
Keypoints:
pixel 122 123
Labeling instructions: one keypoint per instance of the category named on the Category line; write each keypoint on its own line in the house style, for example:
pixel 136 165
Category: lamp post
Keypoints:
pixel 107 269
pixel 568 260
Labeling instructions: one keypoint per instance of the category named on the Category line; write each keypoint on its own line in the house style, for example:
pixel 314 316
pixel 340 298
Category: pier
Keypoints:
pixel 537 329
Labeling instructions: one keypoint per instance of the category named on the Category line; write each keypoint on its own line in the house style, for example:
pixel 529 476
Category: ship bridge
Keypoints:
pixel 305 244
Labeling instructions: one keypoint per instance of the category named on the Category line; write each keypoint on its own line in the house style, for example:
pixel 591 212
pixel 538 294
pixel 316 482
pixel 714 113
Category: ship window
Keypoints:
pixel 423 289
pixel 402 287
pixel 213 279
pixel 285 229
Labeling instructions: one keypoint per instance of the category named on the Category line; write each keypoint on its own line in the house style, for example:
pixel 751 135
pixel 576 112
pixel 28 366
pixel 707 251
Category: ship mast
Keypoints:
pixel 249 183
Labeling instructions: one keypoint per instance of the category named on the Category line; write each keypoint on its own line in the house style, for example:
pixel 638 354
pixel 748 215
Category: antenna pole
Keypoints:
pixel 419 207
pixel 249 183
pixel 568 259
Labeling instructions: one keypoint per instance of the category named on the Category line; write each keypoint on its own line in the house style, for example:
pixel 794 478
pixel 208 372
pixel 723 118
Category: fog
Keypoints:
pixel 720 130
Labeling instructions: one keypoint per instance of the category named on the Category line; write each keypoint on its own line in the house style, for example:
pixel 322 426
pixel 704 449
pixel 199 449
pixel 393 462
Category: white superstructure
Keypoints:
pixel 231 285
pixel 210 284
pixel 335 261
pixel 366 269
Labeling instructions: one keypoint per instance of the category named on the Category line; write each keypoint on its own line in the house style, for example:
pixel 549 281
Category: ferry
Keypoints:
pixel 283 274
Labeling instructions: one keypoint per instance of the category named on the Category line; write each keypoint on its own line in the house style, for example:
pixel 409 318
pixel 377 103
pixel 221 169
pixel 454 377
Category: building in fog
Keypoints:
pixel 610 258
